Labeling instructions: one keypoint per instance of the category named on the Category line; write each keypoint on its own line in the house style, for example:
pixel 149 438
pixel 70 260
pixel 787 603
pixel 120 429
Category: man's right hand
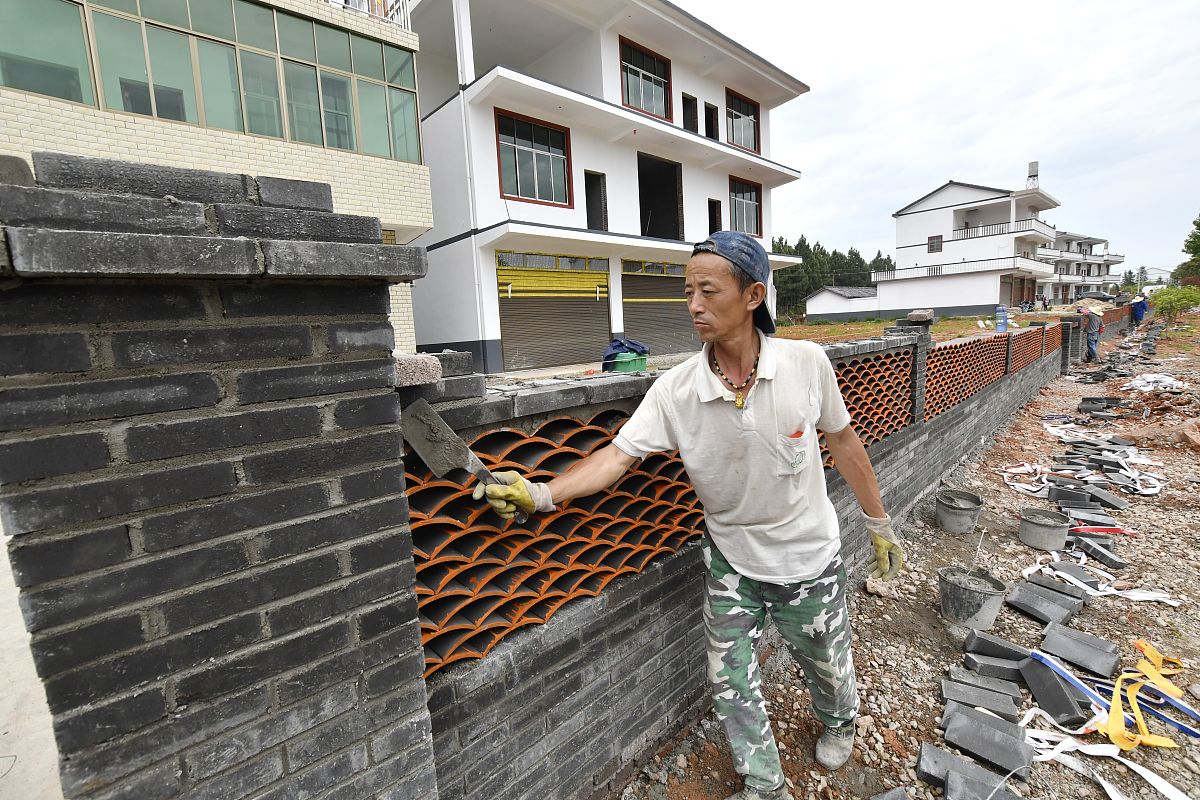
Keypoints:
pixel 513 493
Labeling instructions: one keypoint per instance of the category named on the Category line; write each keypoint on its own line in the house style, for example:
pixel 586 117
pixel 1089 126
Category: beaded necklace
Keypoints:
pixel 739 399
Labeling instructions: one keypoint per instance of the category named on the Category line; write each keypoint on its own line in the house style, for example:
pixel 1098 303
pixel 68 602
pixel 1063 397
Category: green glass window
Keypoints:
pixel 174 83
pixel 261 82
pixel 400 67
pixel 333 48
pixel 339 111
pixel 373 111
pixel 219 85
pixel 406 145
pixel 213 17
pixel 122 64
pixel 129 6
pixel 296 37
pixel 533 160
pixel 255 25
pixel 304 105
pixel 172 12
pixel 368 56
pixel 42 49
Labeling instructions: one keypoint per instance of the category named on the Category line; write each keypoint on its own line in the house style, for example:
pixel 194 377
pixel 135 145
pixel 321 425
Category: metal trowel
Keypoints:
pixel 440 447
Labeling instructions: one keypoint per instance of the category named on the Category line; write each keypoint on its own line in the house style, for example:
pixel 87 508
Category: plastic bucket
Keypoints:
pixel 957 511
pixel 1042 529
pixel 970 597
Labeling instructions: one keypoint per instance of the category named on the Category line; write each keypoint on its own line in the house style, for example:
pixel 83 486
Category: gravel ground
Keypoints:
pixel 903 648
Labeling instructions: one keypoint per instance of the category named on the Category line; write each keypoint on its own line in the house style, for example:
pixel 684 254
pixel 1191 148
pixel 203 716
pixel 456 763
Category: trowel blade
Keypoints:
pixel 436 443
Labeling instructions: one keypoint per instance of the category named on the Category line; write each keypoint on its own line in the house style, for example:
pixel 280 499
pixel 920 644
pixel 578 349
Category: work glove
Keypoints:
pixel 514 494
pixel 889 555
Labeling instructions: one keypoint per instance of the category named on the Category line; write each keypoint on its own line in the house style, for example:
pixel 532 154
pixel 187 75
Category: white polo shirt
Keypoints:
pixel 763 487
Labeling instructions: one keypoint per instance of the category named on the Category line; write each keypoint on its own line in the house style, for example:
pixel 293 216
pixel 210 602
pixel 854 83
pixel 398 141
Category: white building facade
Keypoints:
pixel 1081 264
pixel 576 149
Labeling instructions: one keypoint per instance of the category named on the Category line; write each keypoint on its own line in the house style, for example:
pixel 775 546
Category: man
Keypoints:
pixel 744 414
pixel 1138 309
pixel 1093 324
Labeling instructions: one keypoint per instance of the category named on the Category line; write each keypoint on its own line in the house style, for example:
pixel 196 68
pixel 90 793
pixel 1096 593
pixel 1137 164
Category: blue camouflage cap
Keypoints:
pixel 747 255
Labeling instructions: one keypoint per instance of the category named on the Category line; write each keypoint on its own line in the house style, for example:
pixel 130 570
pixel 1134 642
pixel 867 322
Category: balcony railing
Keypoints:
pixel 1015 263
pixel 394 11
pixel 997 228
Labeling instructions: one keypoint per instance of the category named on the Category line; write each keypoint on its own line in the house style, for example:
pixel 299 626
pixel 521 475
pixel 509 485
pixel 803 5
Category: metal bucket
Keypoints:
pixel 957 511
pixel 970 597
pixel 1043 529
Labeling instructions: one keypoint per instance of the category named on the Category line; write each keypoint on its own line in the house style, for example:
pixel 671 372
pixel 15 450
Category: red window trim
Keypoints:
pixel 670 117
pixel 757 122
pixel 497 112
pixel 757 186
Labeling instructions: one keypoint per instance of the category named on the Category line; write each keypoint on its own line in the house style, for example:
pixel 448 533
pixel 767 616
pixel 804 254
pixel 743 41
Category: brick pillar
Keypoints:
pixel 1070 341
pixel 1008 346
pixel 920 358
pixel 202 490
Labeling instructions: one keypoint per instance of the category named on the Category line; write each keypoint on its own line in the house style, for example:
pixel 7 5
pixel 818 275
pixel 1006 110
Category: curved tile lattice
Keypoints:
pixel 956 370
pixel 1026 348
pixel 1053 337
pixel 877 389
pixel 480 578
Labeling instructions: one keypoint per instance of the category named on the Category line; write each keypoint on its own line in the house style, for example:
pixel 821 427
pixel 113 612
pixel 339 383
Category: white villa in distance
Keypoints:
pixel 964 249
pixel 577 149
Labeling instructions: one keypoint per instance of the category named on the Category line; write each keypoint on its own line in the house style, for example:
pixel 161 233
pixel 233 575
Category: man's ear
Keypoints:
pixel 758 295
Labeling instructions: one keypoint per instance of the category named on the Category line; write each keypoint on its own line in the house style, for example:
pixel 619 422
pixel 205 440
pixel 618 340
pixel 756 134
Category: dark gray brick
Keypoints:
pixel 139 581
pixel 455 362
pixel 387 617
pixel 412 732
pixel 476 413
pixel 348 337
pixel 90 211
pixel 33 353
pixel 232 515
pixel 156 783
pixel 208 345
pixel 323 458
pixel 340 527
pixel 51 456
pixel 285 383
pixel 153 180
pixel 70 303
pixel 170 439
pixel 406 670
pixel 64 651
pixel 46 561
pixel 315 300
pixel 546 399
pixel 39 252
pixel 336 600
pixel 339 259
pixel 445 390
pixel 110 720
pixel 288 193
pixel 321 675
pixel 363 412
pixel 35 406
pixel 255 222
pixel 320 777
pixel 95 500
pixel 373 483
pixel 15 170
pixel 242 781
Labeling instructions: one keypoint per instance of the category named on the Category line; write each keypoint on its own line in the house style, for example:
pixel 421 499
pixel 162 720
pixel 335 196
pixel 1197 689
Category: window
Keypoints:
pixel 261 83
pixel 742 118
pixel 42 49
pixel 691 114
pixel 174 83
pixel 122 64
pixel 219 85
pixel 934 244
pixel 339 113
pixel 304 107
pixel 645 80
pixel 534 159
pixel 745 206
pixel 710 121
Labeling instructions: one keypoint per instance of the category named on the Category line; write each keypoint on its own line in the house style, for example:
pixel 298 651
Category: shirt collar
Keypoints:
pixel 708 385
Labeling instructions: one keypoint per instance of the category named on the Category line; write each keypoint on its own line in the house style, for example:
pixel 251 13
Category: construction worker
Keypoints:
pixel 1093 325
pixel 1138 309
pixel 744 415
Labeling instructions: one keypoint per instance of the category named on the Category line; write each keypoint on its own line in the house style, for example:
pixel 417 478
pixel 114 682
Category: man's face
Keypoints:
pixel 718 309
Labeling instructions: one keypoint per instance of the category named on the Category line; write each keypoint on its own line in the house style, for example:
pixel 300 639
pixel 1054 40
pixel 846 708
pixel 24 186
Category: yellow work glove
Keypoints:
pixel 889 555
pixel 514 494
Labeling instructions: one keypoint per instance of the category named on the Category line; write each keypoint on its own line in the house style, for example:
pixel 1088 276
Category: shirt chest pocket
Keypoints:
pixel 793 453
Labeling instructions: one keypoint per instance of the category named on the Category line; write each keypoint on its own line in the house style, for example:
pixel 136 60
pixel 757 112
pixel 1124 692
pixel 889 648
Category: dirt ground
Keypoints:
pixel 943 330
pixel 903 648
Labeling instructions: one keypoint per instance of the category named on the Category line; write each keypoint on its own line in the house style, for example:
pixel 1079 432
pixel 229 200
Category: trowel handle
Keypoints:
pixel 488 479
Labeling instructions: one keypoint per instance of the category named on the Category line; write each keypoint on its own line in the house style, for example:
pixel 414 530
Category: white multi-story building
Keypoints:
pixel 1081 264
pixel 576 147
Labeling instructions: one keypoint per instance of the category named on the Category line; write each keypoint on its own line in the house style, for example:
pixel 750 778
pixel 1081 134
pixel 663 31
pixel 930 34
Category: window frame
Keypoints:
pixel 733 205
pixel 497 112
pixel 934 244
pixel 757 121
pixel 621 43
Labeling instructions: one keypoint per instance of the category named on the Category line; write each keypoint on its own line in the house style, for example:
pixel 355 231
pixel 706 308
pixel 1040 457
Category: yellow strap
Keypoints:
pixel 1144 735
pixel 1157 678
pixel 1156 658
pixel 1115 727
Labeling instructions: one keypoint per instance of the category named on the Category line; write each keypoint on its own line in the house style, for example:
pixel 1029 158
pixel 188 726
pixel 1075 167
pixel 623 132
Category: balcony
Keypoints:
pixel 1114 258
pixel 1061 278
pixel 394 11
pixel 1020 226
pixel 1017 264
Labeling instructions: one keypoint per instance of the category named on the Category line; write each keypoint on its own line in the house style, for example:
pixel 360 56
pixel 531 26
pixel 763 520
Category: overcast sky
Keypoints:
pixel 905 96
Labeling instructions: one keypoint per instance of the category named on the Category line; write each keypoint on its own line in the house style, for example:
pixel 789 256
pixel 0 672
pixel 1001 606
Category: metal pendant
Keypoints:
pixel 739 401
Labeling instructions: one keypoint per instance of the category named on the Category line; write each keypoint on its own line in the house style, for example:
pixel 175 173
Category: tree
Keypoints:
pixel 1191 248
pixel 857 271
pixel 1143 276
pixel 1170 303
pixel 1128 279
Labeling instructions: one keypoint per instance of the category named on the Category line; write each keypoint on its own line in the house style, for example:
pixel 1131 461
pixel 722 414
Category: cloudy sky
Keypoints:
pixel 1104 93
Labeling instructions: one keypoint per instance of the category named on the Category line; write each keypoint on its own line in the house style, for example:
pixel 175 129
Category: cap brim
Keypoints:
pixel 762 319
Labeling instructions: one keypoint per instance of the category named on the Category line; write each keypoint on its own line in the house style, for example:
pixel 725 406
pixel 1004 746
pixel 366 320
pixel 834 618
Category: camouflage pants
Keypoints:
pixel 813 620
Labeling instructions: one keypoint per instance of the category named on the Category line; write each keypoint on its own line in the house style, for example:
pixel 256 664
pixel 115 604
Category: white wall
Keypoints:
pixel 437 79
pixel 946 290
pixel 575 64
pixel 449 178
pixel 832 303
pixel 448 303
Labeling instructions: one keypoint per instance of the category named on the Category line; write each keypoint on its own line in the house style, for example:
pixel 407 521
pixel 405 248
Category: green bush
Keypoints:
pixel 1170 303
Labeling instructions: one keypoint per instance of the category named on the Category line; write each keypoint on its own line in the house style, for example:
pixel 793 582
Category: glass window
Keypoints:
pixel 373 113
pixel 261 83
pixel 533 160
pixel 174 83
pixel 742 116
pixel 399 67
pixel 129 6
pixel 304 107
pixel 646 80
pixel 42 49
pixel 172 12
pixel 296 37
pixel 255 25
pixel 333 48
pixel 744 207
pixel 122 64
pixel 339 111
pixel 214 17
pixel 219 85
pixel 406 145
pixel 368 56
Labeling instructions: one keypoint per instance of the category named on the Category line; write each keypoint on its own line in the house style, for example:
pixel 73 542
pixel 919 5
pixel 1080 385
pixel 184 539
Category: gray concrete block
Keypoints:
pixel 1107 498
pixel 1101 554
pixel 347 337
pixel 476 413
pixel 616 387
pixel 892 794
pixel 1009 753
pixel 154 180
pixel 288 193
pixel 1081 654
pixel 962 787
pixel 40 252
pixel 419 369
pixel 961 675
pixel 1097 642
pixel 1000 704
pixel 1062 587
pixel 992 667
pixel 394 263
pixel 30 207
pixel 934 763
pixel 15 171
pixel 1073 604
pixel 460 387
pixel 1052 694
pixel 980 718
pixel 1077 572
pixel 1037 606
pixel 455 362
pixel 545 399
pixel 985 644
pixel 255 222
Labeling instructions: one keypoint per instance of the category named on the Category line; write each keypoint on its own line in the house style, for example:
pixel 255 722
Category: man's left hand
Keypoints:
pixel 889 555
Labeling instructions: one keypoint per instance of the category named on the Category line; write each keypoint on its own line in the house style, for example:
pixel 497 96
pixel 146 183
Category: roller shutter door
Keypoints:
pixel 656 314
pixel 552 317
